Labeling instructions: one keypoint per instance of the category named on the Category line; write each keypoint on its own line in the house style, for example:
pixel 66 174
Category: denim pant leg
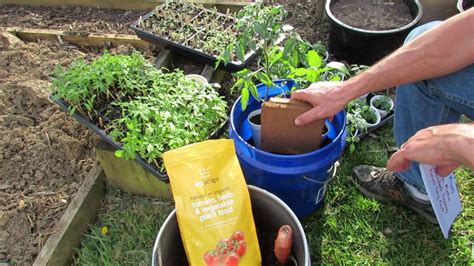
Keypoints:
pixel 431 102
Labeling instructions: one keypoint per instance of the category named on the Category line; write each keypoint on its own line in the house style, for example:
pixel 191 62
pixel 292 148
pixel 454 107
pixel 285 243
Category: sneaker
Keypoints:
pixel 380 184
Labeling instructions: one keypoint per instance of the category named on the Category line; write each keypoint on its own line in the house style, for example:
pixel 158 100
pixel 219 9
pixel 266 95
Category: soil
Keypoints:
pixel 44 154
pixel 374 14
pixel 75 18
pixel 256 119
pixel 302 15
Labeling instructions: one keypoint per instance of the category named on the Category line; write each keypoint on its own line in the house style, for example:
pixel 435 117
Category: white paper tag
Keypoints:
pixel 444 196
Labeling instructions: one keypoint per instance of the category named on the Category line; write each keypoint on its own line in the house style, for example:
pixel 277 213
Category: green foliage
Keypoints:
pixel 382 103
pixel 167 118
pixel 108 78
pixel 356 121
pixel 157 111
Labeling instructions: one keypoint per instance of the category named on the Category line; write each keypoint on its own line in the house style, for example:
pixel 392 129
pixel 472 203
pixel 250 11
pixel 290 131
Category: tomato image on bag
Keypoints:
pixel 213 206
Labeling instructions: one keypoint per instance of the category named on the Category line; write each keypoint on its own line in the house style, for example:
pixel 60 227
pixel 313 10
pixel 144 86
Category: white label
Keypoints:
pixel 444 196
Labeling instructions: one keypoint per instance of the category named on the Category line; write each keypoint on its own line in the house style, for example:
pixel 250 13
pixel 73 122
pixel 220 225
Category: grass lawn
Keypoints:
pixel 349 229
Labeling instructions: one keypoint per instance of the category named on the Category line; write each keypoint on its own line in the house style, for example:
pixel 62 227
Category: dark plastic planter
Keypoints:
pixel 187 51
pixel 162 176
pixel 360 46
pixel 464 5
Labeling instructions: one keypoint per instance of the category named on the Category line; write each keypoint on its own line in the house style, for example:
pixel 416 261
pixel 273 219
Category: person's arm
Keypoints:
pixel 441 50
pixel 445 146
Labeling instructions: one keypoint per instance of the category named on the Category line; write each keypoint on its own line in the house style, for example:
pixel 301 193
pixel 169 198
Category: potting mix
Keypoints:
pixel 212 204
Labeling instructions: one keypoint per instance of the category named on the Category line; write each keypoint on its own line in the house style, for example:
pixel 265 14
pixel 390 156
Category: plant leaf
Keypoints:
pixel 240 51
pixel 339 66
pixel 244 98
pixel 264 79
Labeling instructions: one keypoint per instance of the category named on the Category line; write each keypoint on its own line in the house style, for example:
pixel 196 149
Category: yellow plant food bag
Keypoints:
pixel 212 204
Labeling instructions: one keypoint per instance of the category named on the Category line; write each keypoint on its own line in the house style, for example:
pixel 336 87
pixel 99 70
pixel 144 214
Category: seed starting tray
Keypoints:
pixel 162 176
pixel 188 51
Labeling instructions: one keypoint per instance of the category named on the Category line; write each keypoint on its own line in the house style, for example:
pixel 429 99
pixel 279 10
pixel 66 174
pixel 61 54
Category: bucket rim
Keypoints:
pixel 160 235
pixel 375 32
pixel 293 216
pixel 285 156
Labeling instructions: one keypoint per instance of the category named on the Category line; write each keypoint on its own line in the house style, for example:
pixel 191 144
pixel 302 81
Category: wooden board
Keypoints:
pixel 80 213
pixel 80 38
pixel 128 4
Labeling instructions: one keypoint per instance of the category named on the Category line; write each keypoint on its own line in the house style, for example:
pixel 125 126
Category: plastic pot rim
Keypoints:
pixel 375 32
pixel 392 104
pixel 283 156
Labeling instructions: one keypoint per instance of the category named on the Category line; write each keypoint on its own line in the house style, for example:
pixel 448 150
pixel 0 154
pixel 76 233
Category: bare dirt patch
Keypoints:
pixel 44 154
pixel 72 18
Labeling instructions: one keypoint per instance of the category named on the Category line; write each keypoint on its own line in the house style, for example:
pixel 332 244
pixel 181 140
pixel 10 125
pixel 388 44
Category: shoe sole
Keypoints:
pixel 386 199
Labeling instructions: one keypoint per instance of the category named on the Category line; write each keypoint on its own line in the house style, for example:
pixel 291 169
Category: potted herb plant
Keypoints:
pixel 383 104
pixel 143 111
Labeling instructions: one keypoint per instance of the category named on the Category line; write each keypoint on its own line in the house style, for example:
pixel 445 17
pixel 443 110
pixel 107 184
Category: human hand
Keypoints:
pixel 443 146
pixel 327 99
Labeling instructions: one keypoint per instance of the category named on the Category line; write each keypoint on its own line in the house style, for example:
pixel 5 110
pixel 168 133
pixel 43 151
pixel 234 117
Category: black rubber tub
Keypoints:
pixel 162 176
pixel 464 5
pixel 360 46
pixel 188 51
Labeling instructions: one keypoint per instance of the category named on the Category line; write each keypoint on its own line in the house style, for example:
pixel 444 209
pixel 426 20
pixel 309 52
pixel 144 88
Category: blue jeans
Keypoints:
pixel 431 102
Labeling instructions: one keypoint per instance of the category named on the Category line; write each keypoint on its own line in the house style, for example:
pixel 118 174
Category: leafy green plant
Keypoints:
pixel 356 123
pixel 148 111
pixel 284 54
pixel 382 103
pixel 369 115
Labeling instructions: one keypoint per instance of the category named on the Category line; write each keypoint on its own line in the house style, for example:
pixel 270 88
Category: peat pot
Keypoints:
pixel 361 46
pixel 269 213
pixel 299 180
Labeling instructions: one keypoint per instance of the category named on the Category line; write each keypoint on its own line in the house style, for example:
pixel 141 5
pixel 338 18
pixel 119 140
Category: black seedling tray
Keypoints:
pixel 149 167
pixel 188 51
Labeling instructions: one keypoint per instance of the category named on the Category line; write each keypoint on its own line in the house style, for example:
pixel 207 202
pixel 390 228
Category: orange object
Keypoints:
pixel 283 243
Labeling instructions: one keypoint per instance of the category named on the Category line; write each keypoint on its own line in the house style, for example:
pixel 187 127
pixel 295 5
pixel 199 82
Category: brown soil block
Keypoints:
pixel 373 14
pixel 279 132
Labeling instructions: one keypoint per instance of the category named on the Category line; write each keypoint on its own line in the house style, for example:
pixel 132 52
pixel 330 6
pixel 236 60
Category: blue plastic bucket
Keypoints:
pixel 299 180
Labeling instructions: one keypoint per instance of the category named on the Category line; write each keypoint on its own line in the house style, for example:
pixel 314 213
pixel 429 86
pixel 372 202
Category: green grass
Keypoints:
pixel 132 223
pixel 349 229
pixel 352 229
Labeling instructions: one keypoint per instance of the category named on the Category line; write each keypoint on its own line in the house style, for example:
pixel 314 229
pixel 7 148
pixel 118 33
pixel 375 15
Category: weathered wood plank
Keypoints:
pixel 163 59
pixel 213 75
pixel 80 213
pixel 80 38
pixel 126 4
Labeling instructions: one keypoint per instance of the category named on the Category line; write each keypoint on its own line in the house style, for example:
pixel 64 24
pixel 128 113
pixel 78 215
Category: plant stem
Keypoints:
pixel 267 68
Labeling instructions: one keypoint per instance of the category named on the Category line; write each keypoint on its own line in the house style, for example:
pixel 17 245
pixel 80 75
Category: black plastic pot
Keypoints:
pixel 464 5
pixel 269 213
pixel 360 46
pixel 162 176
